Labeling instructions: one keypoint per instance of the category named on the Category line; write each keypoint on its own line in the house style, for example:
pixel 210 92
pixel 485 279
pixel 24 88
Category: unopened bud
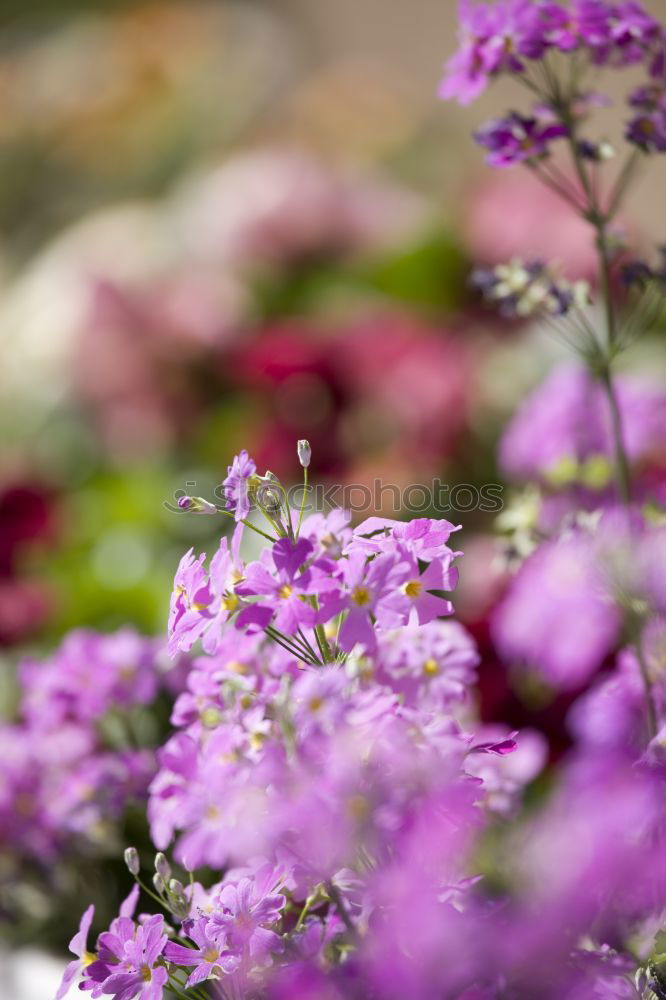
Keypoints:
pixel 176 887
pixel 158 882
pixel 162 866
pixel 197 505
pixel 132 860
pixel 304 453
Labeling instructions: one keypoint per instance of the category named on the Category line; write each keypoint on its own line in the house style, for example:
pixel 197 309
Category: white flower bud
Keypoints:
pixel 162 866
pixel 132 860
pixel 304 452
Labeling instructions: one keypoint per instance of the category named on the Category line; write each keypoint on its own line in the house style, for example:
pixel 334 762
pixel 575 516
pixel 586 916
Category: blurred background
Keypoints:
pixel 235 224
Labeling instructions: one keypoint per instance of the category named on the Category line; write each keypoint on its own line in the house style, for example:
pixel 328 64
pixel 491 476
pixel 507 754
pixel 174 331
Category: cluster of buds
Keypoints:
pixel 526 288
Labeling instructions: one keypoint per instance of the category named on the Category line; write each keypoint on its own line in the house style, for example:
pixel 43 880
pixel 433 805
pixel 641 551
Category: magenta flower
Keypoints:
pixel 190 596
pixel 366 586
pixel 138 973
pixel 558 617
pixel 78 946
pixel 211 956
pixel 494 39
pixel 515 139
pixel 246 915
pixel 413 598
pixel 226 571
pixel 236 485
pixel 281 583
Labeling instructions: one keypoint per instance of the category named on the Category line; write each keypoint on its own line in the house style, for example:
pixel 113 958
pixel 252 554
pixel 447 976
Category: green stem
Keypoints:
pixel 248 524
pixel 622 473
pixel 645 674
pixel 302 510
pixel 338 902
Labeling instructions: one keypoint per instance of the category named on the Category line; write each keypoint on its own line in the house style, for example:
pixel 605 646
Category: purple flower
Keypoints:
pixel 493 40
pixel 413 599
pixel 209 958
pixel 281 581
pixel 561 433
pixel 236 485
pixel 431 665
pixel 515 139
pixel 366 586
pixel 226 571
pixel 245 913
pixel 132 960
pixel 557 616
pixel 190 596
pixel 648 131
pixel 78 946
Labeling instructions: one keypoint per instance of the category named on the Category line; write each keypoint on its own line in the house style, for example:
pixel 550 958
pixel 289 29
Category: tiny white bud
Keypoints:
pixel 304 453
pixel 132 860
pixel 176 887
pixel 158 882
pixel 162 866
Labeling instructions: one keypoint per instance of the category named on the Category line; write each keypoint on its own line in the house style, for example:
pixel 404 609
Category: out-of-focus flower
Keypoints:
pixel 558 617
pixel 517 139
pixel 561 434
pixel 285 207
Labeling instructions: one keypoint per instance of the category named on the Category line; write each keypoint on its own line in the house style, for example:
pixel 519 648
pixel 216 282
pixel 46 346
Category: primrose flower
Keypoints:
pixel 246 914
pixel 78 946
pixel 143 975
pixel 236 485
pixel 280 581
pixel 210 958
pixel 494 38
pixel 517 139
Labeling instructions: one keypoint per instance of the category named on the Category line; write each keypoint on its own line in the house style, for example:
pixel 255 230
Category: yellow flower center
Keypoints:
pixel 315 704
pixel 431 668
pixel 146 973
pixel 229 602
pixel 413 588
pixel 285 591
pixel 361 596
pixel 211 955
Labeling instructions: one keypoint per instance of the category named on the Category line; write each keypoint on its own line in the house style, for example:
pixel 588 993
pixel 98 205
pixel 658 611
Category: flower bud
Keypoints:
pixel 162 866
pixel 176 887
pixel 158 883
pixel 197 505
pixel 304 452
pixel 132 860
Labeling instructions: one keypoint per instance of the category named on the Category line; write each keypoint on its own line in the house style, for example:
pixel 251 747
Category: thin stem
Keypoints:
pixel 338 902
pixel 622 474
pixel 287 644
pixel 307 644
pixel 302 510
pixel 649 701
pixel 304 912
pixel 248 524
pixel 622 183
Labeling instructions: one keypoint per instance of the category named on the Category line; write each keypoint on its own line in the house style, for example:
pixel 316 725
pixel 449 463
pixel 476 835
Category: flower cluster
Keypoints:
pixel 517 139
pixel 71 761
pixel 525 288
pixel 321 575
pixel 507 37
pixel 325 736
pixel 647 129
